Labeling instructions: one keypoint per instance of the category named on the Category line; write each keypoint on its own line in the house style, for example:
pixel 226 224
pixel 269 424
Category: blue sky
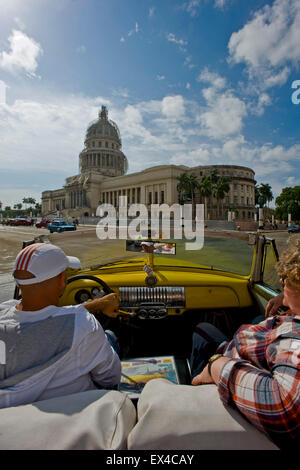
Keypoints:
pixel 188 82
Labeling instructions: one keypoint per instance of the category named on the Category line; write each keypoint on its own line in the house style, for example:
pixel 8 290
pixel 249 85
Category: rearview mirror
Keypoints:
pixel 143 246
pixel 252 238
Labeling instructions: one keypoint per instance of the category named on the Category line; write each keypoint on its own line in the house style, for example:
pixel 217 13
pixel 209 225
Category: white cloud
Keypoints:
pixel 3 87
pixel 52 129
pixel 49 133
pixel 269 43
pixel 224 112
pixel 151 12
pixel 23 54
pixel 173 107
pixel 198 156
pixel 160 77
pixel 134 30
pixel 193 6
pixel 172 38
pixel 213 78
pixel 220 3
pixel 259 107
pixel 188 62
pixel 223 117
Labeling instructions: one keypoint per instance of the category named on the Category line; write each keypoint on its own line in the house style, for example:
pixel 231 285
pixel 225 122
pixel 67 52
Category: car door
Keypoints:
pixel 264 281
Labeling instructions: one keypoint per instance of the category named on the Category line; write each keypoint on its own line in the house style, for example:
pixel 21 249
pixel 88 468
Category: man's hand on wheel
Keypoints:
pixel 109 305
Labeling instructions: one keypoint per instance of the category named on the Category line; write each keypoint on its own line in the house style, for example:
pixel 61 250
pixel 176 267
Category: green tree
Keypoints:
pixel 205 188
pixel 31 201
pixel 266 192
pixel 288 202
pixel 182 186
pixel 263 194
pixel 220 189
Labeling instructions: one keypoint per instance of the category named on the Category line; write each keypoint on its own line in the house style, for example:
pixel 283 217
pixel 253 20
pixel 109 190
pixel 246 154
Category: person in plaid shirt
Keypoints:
pixel 258 371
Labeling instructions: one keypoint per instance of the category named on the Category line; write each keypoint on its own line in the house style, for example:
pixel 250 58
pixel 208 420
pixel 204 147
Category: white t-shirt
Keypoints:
pixel 52 352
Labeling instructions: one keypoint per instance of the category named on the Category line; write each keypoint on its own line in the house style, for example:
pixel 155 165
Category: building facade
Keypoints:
pixel 103 179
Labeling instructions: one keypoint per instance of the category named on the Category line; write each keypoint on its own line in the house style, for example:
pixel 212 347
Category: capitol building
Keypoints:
pixel 103 179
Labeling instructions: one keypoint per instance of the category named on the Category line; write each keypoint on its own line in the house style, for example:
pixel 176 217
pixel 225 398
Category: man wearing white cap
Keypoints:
pixel 47 350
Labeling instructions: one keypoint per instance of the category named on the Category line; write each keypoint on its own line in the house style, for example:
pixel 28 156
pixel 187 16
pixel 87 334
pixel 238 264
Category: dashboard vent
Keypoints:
pixel 171 297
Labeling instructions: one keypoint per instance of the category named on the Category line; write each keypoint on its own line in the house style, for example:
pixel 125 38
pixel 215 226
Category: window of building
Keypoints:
pixel 162 197
pixel 106 145
pixel 138 195
pixel 150 198
pixel 156 197
pixel 100 143
pixel 235 200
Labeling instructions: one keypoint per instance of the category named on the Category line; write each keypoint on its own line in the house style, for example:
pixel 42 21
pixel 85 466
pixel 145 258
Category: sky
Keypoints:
pixel 195 82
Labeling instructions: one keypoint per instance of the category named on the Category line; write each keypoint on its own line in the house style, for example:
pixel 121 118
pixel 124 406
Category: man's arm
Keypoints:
pixel 274 305
pixel 109 305
pixel 213 377
pixel 95 354
pixel 270 400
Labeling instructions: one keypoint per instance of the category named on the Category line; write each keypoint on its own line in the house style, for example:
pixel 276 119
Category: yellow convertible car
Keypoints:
pixel 164 291
pixel 163 294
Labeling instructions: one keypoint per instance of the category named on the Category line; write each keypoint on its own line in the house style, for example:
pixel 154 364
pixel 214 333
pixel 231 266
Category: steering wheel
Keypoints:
pixel 106 289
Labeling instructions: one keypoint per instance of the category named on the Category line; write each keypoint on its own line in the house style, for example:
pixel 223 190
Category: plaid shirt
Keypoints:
pixel 263 378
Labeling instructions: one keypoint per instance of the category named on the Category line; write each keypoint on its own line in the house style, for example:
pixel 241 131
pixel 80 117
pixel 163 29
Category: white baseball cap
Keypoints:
pixel 44 261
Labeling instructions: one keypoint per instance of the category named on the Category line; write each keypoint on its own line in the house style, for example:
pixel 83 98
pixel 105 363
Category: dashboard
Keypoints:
pixel 169 297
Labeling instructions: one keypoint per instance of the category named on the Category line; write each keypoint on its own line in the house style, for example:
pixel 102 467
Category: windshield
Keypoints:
pixel 219 252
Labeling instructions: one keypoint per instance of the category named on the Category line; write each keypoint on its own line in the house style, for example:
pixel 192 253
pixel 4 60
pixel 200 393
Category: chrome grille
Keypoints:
pixel 171 297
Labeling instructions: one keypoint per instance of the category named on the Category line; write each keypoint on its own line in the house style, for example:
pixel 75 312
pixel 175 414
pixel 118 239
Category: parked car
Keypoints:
pixel 60 225
pixel 293 228
pixel 21 221
pixel 43 223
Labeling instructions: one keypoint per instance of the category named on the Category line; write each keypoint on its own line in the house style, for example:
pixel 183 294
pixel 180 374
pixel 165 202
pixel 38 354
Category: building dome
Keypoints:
pixel 102 152
pixel 104 127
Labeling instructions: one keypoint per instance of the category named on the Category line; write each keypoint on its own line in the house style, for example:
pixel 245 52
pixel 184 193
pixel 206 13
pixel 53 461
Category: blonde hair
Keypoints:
pixel 288 265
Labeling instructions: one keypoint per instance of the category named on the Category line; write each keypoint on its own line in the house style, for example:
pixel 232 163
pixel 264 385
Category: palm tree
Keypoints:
pixel 187 186
pixel 220 190
pixel 182 186
pixel 205 188
pixel 31 201
pixel 192 186
pixel 266 192
pixel 25 201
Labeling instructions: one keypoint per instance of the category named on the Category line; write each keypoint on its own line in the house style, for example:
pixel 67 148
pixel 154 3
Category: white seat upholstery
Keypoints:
pixel 181 417
pixel 91 420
